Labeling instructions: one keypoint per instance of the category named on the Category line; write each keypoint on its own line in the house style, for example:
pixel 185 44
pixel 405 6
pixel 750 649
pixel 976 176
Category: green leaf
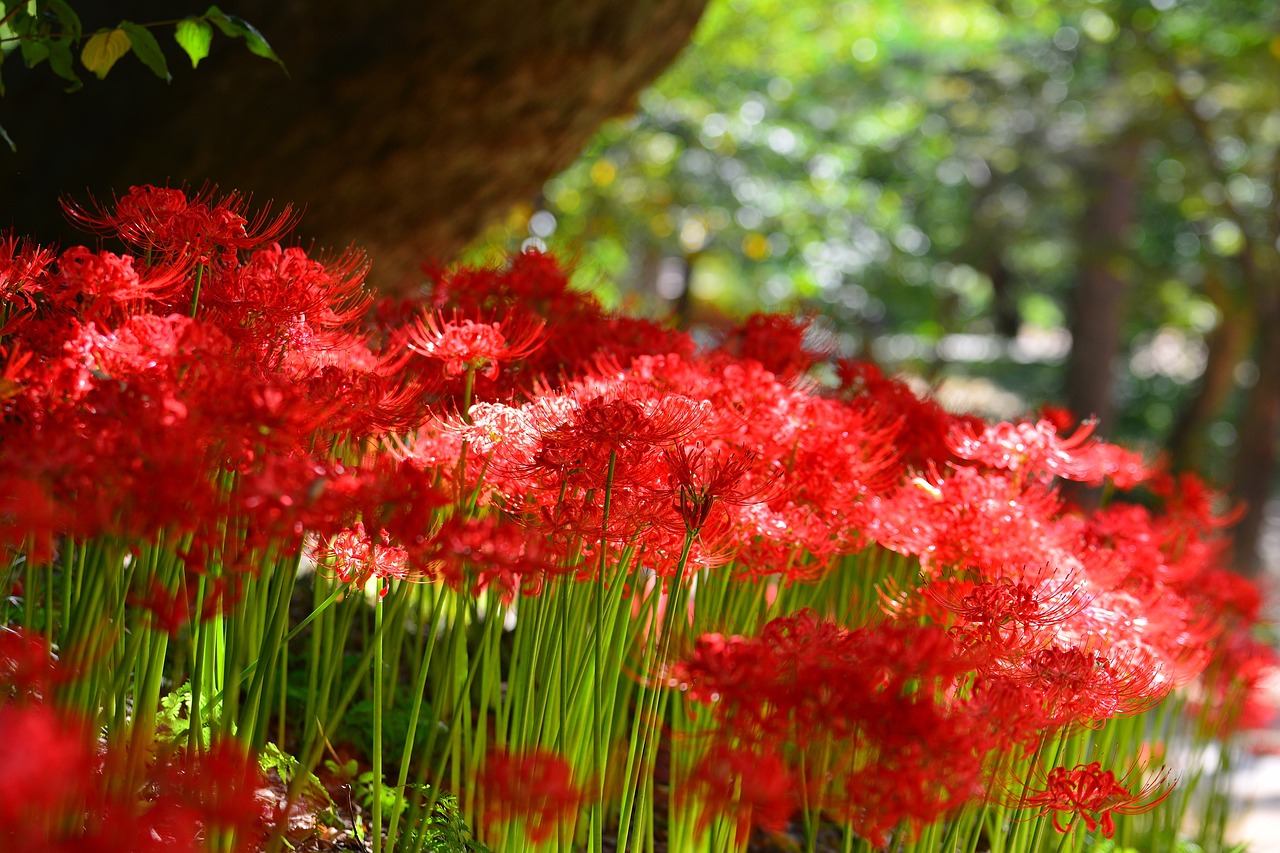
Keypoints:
pixel 62 63
pixel 103 49
pixel 33 51
pixel 236 27
pixel 222 21
pixel 68 18
pixel 147 49
pixel 194 36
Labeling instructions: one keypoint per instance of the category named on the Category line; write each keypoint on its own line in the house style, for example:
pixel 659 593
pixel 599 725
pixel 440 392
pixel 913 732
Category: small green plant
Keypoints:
pixel 173 719
pixel 446 831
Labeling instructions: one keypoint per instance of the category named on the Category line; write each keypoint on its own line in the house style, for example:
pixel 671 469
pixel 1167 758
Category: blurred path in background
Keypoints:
pixel 1257 784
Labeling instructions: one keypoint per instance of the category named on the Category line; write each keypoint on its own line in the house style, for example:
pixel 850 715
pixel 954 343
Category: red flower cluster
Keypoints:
pixel 124 414
pixel 853 712
pixel 213 391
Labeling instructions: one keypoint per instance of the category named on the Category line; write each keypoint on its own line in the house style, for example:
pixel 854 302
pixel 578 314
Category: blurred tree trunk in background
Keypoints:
pixel 1260 422
pixel 404 128
pixel 1226 345
pixel 1099 299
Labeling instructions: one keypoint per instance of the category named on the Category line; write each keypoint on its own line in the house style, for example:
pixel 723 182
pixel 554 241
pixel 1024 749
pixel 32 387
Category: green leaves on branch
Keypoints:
pixel 42 30
pixel 235 27
pixel 194 35
pixel 48 30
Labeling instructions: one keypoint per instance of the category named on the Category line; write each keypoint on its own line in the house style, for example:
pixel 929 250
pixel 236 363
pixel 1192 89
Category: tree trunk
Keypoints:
pixel 1255 462
pixel 1100 293
pixel 403 127
pixel 1227 344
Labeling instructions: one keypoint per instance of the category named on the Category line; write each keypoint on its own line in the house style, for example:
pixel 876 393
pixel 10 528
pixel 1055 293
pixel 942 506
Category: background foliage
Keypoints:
pixel 929 178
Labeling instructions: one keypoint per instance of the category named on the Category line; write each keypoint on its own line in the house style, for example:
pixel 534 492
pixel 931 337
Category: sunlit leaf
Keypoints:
pixel 103 50
pixel 194 36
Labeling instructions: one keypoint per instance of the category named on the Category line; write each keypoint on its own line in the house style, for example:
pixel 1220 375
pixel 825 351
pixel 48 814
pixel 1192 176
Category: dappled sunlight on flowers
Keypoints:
pixel 637 587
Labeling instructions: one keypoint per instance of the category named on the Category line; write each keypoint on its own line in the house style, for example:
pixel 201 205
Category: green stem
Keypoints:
pixel 420 684
pixel 195 292
pixel 376 821
pixel 597 698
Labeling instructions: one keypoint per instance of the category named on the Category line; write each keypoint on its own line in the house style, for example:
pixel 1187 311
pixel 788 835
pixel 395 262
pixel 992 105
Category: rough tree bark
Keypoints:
pixel 403 127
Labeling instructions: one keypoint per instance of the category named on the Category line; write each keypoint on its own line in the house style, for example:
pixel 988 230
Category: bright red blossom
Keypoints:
pixel 1089 793
pixel 469 345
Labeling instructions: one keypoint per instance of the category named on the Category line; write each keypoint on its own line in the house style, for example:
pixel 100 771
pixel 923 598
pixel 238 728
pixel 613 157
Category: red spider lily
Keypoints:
pixel 293 495
pixel 1174 635
pixel 906 788
pixel 622 417
pixel 11 378
pixel 59 793
pixel 590 440
pixel 1233 599
pixel 281 299
pixel 753 786
pixel 699 480
pixel 1236 688
pixel 805 677
pixel 369 399
pixel 354 557
pixel 1079 684
pixel 1008 611
pixel 577 334
pixel 1007 712
pixel 95 279
pixel 1089 793
pixel 1036 451
pixel 970 518
pixel 1154 549
pixel 873 698
pixel 533 788
pixel 22 275
pixel 576 516
pixel 1188 498
pixel 776 341
pixel 477 553
pixel 924 424
pixel 479 346
pixel 167 221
